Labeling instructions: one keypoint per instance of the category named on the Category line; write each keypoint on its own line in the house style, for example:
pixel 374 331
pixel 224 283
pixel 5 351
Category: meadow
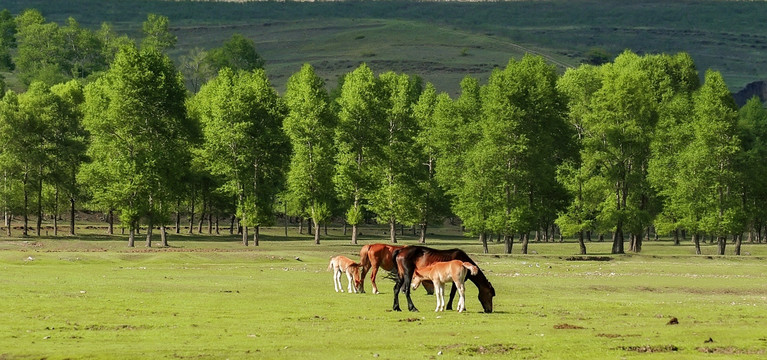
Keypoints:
pixel 209 297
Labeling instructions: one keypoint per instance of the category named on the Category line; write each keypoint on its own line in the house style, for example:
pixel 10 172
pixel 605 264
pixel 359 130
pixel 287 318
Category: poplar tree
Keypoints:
pixel 136 118
pixel 243 142
pixel 358 138
pixel 752 130
pixel 310 124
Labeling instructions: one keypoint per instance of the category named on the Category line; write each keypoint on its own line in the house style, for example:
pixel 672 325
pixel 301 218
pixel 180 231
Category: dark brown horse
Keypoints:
pixel 373 256
pixel 410 258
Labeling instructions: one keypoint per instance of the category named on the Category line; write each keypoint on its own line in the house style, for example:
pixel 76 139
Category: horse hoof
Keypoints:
pixel 376 292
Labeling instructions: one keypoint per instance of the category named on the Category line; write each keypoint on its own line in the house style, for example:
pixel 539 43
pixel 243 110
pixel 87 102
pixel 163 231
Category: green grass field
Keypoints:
pixel 209 297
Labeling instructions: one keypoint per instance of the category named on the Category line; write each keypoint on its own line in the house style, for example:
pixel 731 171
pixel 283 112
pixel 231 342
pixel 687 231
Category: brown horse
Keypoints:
pixel 410 258
pixel 373 256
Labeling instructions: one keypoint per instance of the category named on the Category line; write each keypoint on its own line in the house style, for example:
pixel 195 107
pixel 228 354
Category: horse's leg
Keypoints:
pixel 440 298
pixel 397 287
pixel 363 272
pixel 452 295
pixel 373 273
pixel 351 280
pixel 335 283
pixel 338 281
pixel 406 283
pixel 461 297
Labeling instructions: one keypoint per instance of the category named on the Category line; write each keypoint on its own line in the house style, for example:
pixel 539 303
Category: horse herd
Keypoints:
pixel 415 265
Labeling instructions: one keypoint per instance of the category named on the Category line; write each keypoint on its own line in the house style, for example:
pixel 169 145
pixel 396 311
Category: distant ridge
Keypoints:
pixel 758 88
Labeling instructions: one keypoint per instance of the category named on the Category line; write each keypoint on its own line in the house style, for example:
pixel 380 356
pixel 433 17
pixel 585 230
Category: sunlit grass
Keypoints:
pixel 210 297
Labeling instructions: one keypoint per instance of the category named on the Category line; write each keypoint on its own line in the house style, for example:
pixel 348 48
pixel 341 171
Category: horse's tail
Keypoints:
pixel 395 270
pixel 364 260
pixel 330 266
pixel 473 269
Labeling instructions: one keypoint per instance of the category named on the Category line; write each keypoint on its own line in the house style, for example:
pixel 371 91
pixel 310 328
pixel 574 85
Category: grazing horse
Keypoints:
pixel 410 258
pixel 341 264
pixel 373 256
pixel 440 273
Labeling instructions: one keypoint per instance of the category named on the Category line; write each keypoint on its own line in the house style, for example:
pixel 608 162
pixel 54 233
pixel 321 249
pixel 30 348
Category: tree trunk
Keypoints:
pixel 392 231
pixel 202 215
pixel 601 237
pixel 131 236
pixel 483 238
pixel 300 225
pixel 581 244
pixel 676 237
pixel 72 215
pixel 25 232
pixel 40 205
pixel 163 236
pixel 696 241
pixel 525 242
pixel 178 215
pixel 231 226
pixel 722 244
pixel 191 212
pixel 210 221
pixel 588 236
pixel 508 241
pixel 738 243
pixel 422 239
pixel 111 226
pixel 56 212
pixel 217 230
pixel 316 231
pixel 618 239
pixel 309 227
pixel 345 223
pixel 149 230
pixel 286 219
pixel 244 235
pixel 354 234
pixel 256 234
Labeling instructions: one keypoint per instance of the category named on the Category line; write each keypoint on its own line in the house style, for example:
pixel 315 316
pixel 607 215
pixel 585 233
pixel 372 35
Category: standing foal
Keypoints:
pixel 341 264
pixel 441 273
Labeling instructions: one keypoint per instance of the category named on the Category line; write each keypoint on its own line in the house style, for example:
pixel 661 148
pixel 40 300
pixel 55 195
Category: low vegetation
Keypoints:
pixel 207 297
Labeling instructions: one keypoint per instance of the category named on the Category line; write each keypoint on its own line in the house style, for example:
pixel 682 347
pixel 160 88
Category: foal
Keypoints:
pixel 442 272
pixel 341 264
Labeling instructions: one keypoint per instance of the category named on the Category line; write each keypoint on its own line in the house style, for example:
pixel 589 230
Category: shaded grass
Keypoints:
pixel 217 299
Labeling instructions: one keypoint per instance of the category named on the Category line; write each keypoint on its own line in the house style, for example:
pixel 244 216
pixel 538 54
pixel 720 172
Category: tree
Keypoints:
pixel 752 162
pixel 431 203
pixel 241 117
pixel 39 49
pixel 7 40
pixel 136 118
pixel 395 167
pixel 69 143
pixel 157 35
pixel 709 180
pixel 310 124
pixel 524 137
pixel 358 139
pixel 237 53
pixel 197 71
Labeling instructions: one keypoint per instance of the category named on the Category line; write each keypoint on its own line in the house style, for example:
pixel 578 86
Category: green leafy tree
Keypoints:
pixel 39 50
pixel 431 202
pixel 157 35
pixel 709 189
pixel 237 53
pixel 241 118
pixel 68 143
pixel 197 71
pixel 136 118
pixel 395 168
pixel 310 124
pixel 7 39
pixel 358 139
pixel 752 130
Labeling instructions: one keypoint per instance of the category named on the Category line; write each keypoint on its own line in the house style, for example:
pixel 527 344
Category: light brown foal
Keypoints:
pixel 442 272
pixel 341 264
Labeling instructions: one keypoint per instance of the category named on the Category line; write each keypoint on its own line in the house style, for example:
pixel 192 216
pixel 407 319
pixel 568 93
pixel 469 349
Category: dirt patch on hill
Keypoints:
pixel 567 326
pixel 650 348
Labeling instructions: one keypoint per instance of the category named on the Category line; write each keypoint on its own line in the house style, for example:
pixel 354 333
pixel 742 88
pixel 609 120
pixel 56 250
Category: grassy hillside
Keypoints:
pixel 445 41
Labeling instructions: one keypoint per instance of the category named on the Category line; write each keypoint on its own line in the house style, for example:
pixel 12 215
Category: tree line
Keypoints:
pixel 112 124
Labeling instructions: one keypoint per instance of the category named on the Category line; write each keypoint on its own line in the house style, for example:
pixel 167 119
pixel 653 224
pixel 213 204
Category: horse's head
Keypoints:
pixel 416 280
pixel 486 293
pixel 356 275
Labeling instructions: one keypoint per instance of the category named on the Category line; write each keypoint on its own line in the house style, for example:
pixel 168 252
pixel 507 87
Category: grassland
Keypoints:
pixel 209 297
pixel 444 41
